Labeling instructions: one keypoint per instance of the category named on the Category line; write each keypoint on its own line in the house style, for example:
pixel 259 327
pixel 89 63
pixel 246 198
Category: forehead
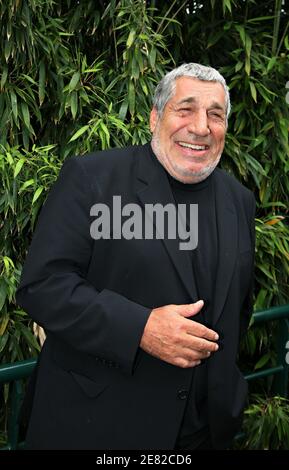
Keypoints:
pixel 202 92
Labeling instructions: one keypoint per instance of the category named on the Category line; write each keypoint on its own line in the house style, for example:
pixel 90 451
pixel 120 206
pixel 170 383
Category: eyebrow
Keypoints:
pixel 191 99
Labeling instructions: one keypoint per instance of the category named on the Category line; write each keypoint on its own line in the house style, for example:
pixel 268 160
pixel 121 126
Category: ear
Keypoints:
pixel 153 119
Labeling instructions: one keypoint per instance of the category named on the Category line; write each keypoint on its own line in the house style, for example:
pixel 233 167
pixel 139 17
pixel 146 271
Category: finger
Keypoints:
pixel 195 355
pixel 186 363
pixel 201 344
pixel 201 331
pixel 190 309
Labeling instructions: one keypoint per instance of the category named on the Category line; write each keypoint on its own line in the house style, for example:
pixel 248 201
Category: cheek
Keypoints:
pixel 219 140
pixel 174 126
pixel 220 133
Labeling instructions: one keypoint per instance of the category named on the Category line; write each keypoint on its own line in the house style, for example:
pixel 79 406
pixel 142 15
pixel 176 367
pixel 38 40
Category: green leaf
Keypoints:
pixel 3 295
pixel 13 99
pixel 41 84
pixel 255 141
pixel 3 340
pixel 275 204
pixel 130 38
pixel 263 93
pixel 144 88
pixel 18 167
pixel 37 194
pixel 238 66
pixel 253 91
pixel 264 359
pixel 247 66
pixel 25 114
pixel 25 137
pixel 131 97
pixel 74 81
pixel 74 104
pixel 26 184
pixel 242 34
pixel 123 109
pixel 105 130
pixel 27 77
pixel 7 49
pixel 4 77
pixel 134 66
pixel 8 263
pixel 283 123
pixel 271 63
pixel 214 38
pixel 78 133
pixel 267 272
pixel 248 45
pixel 30 338
pixel 227 5
pixel 152 57
pixel 9 158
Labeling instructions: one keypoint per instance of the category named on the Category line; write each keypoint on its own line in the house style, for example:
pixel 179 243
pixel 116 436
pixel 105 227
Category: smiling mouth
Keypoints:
pixel 193 146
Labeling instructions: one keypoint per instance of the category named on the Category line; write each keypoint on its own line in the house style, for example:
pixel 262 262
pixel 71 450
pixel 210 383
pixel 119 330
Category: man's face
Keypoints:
pixel 188 139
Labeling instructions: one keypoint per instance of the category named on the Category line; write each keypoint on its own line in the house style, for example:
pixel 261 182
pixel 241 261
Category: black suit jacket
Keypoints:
pixel 96 389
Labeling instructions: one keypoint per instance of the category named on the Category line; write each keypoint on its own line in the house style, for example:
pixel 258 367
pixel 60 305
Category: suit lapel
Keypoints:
pixel 153 187
pixel 227 227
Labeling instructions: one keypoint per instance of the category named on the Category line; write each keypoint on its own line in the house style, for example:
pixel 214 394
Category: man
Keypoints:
pixel 142 336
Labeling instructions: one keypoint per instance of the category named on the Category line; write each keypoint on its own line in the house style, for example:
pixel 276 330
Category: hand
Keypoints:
pixel 171 337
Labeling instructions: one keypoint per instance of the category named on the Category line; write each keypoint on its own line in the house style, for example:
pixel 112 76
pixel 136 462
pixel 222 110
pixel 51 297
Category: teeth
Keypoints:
pixel 193 147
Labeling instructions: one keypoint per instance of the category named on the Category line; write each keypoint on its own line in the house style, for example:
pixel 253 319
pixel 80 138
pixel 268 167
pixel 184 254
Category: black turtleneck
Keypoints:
pixel 204 257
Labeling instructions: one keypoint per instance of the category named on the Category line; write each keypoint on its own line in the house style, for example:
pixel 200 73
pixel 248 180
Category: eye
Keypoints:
pixel 184 110
pixel 217 115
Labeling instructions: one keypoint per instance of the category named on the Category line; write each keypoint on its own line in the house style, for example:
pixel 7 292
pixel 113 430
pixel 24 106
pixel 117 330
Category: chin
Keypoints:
pixel 193 179
pixel 195 176
pixel 188 178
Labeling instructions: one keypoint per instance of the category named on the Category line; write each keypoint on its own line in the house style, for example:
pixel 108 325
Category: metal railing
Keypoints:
pixel 281 370
pixel 15 373
pixel 20 370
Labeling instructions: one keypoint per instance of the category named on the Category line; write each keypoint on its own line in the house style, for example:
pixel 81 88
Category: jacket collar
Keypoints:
pixel 227 227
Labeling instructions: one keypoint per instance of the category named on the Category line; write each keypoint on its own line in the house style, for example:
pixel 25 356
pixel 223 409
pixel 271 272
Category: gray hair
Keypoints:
pixel 166 87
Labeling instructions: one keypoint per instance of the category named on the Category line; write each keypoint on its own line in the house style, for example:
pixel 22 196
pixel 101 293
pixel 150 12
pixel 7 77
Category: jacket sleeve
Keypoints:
pixel 54 289
pixel 248 304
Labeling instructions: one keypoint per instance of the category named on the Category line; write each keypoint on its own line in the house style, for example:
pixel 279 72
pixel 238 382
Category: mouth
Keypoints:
pixel 196 148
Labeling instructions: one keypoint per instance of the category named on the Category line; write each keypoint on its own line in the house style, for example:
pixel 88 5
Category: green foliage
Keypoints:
pixel 266 423
pixel 71 75
pixel 76 76
pixel 26 178
pixel 258 349
pixel 272 260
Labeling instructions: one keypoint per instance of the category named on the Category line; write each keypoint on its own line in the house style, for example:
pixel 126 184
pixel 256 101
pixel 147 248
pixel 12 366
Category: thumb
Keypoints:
pixel 191 309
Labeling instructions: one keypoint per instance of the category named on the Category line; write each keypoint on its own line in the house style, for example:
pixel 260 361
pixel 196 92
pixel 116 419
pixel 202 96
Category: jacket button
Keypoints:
pixel 182 394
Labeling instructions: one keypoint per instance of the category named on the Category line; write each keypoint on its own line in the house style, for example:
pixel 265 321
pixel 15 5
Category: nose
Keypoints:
pixel 199 124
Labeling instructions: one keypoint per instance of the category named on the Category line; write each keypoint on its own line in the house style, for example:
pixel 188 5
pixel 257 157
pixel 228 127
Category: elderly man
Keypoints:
pixel 143 333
